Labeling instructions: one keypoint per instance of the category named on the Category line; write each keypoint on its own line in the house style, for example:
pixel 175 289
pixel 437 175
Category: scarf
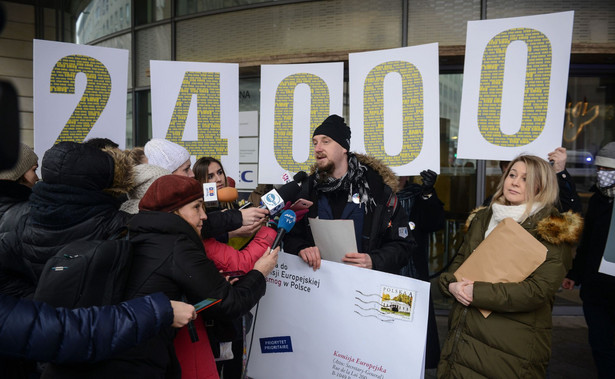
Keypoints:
pixel 606 183
pixel 353 182
pixel 516 212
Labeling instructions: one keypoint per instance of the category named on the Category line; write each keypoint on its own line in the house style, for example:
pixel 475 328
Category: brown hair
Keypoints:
pixel 201 169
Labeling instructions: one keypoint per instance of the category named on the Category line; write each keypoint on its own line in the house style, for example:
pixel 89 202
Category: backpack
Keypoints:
pixel 86 273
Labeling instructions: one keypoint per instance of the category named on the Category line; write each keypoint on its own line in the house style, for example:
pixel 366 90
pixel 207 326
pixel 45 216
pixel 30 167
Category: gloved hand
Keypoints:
pixel 429 179
pixel 298 214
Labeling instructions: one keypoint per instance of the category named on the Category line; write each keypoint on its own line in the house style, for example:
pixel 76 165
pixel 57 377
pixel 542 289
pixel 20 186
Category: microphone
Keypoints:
pixel 275 200
pixel 227 194
pixel 286 223
pixel 210 194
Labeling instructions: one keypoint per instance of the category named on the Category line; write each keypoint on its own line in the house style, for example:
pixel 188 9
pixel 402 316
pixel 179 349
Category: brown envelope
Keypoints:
pixel 509 254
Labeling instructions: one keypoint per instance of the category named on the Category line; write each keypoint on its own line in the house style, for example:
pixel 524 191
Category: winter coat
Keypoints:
pixel 426 215
pixel 594 285
pixel 75 201
pixel 16 275
pixel 13 203
pixel 515 340
pixel 385 235
pixel 36 331
pixel 169 258
pixel 227 258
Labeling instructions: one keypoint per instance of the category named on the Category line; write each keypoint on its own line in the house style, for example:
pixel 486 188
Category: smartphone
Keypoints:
pixel 233 274
pixel 301 204
pixel 205 304
pixel 247 204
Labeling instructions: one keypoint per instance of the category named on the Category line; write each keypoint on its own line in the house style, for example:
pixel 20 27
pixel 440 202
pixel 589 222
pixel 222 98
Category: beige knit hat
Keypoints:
pixel 27 158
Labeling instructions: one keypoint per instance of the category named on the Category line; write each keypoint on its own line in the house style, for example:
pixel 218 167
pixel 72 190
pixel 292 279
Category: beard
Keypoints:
pixel 325 172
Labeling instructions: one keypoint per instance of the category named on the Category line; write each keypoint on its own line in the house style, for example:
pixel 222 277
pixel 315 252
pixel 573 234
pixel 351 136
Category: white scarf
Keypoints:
pixel 516 212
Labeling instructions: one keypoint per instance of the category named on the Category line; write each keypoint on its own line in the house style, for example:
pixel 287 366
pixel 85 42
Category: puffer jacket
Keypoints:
pixel 385 235
pixel 227 258
pixel 515 340
pixel 169 258
pixel 16 275
pixel 13 203
pixel 77 200
pixel 36 331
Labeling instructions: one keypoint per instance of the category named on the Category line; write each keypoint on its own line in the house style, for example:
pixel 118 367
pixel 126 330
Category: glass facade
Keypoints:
pixel 252 32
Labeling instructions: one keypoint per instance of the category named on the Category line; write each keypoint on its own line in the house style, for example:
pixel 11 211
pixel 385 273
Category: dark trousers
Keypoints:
pixel 600 318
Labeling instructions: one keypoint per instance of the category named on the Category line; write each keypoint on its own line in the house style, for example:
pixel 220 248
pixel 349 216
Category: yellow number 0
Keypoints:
pixel 537 82
pixel 412 108
pixel 283 117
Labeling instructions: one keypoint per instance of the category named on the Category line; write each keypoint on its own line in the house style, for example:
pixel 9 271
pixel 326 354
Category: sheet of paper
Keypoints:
pixel 334 238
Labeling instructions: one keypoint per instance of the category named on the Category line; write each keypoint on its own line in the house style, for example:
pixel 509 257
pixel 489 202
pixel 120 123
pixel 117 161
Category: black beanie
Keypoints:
pixel 335 128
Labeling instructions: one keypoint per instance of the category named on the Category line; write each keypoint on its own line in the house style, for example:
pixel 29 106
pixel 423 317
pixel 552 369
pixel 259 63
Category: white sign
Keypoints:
pixel 79 93
pixel 394 107
pixel 247 179
pixel 514 86
pixel 248 124
pixel 340 321
pixel 295 99
pixel 195 105
pixel 607 265
pixel 248 150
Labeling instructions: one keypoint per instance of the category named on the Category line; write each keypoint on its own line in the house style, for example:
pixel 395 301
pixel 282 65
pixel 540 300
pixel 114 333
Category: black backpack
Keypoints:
pixel 86 273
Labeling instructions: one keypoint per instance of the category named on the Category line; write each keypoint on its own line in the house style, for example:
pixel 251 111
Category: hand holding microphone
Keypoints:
pixel 267 262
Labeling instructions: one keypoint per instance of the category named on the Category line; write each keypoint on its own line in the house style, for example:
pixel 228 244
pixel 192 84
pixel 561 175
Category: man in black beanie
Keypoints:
pixel 345 185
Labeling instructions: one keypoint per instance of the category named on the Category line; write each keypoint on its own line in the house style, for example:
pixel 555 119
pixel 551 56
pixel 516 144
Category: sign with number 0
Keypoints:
pixel 514 86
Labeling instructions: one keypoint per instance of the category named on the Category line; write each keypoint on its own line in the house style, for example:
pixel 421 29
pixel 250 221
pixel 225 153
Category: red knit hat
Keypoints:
pixel 170 192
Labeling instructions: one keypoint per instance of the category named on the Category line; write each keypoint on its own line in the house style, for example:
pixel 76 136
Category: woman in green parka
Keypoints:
pixel 515 340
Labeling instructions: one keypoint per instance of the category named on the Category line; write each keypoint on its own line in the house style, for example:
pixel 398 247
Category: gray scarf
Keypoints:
pixel 353 182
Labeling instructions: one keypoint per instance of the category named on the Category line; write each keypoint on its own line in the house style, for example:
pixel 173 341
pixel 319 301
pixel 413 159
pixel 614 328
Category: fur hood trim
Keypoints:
pixel 561 228
pixel 555 228
pixel 123 176
pixel 388 176
pixel 470 218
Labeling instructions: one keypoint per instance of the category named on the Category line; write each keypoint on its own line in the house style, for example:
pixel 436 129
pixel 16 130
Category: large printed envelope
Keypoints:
pixel 509 254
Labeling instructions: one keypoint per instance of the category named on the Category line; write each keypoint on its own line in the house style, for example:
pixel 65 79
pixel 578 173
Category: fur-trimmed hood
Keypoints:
pixel 123 173
pixel 388 176
pixel 553 227
pixel 79 165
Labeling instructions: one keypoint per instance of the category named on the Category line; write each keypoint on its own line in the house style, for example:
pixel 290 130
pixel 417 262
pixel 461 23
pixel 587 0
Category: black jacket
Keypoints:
pixel 595 286
pixel 75 200
pixel 13 203
pixel 385 237
pixel 16 275
pixel 169 257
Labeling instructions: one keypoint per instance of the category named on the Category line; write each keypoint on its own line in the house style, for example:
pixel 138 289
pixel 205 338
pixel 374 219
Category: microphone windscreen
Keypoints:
pixel 289 192
pixel 287 220
pixel 227 194
pixel 300 176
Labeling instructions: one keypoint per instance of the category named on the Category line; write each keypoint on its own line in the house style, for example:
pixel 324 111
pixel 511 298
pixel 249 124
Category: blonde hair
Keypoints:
pixel 539 176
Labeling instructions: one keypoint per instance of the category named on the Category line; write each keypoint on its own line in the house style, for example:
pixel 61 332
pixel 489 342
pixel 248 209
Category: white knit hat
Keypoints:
pixel 165 154
pixel 144 176
pixel 606 156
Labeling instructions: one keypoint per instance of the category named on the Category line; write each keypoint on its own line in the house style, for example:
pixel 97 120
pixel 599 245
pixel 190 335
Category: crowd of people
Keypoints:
pixel 184 252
